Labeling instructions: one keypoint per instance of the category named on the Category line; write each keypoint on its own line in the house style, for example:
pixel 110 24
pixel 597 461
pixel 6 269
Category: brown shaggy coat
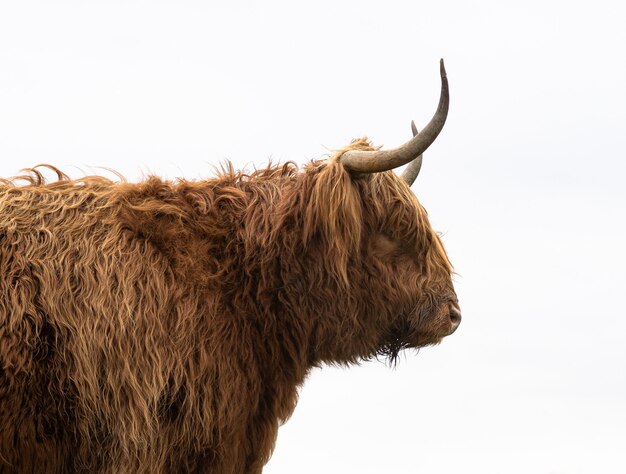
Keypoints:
pixel 165 327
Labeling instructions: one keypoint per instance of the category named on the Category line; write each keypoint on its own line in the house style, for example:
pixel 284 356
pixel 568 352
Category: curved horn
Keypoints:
pixel 413 168
pixel 383 160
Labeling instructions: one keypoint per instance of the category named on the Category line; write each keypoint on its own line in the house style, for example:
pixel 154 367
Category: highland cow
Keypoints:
pixel 165 327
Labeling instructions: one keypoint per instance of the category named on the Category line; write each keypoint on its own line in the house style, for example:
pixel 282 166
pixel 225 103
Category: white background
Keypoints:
pixel 526 182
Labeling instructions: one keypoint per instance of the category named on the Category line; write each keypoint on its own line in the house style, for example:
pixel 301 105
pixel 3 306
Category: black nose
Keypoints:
pixel 455 315
pixel 455 318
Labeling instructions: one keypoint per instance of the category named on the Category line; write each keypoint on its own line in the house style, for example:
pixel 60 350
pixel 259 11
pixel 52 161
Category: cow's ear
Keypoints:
pixel 334 214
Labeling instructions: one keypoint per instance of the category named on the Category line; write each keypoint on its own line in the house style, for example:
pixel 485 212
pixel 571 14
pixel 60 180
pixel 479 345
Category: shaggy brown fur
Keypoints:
pixel 165 327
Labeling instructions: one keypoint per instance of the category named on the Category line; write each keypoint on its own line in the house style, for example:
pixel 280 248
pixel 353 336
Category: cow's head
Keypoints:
pixel 380 244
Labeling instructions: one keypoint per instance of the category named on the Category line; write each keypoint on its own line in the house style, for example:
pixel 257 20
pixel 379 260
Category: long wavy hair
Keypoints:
pixel 166 326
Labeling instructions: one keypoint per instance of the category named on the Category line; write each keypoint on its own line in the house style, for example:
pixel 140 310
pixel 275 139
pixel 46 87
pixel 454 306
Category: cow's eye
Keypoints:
pixel 387 247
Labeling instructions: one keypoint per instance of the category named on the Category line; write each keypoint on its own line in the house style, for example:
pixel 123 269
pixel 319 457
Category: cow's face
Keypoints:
pixel 423 307
pixel 380 246
pixel 408 272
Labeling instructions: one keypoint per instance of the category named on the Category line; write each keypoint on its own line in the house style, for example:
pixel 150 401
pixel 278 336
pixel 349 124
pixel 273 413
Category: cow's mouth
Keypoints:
pixel 406 333
pixel 444 322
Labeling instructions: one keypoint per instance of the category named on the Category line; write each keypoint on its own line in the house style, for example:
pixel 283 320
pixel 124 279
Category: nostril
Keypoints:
pixel 455 315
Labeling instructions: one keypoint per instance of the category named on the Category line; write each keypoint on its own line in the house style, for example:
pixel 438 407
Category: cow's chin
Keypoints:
pixel 390 350
pixel 414 332
pixel 404 336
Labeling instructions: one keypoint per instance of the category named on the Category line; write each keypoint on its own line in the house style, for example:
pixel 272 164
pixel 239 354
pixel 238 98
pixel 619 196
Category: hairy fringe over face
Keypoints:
pixel 165 327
